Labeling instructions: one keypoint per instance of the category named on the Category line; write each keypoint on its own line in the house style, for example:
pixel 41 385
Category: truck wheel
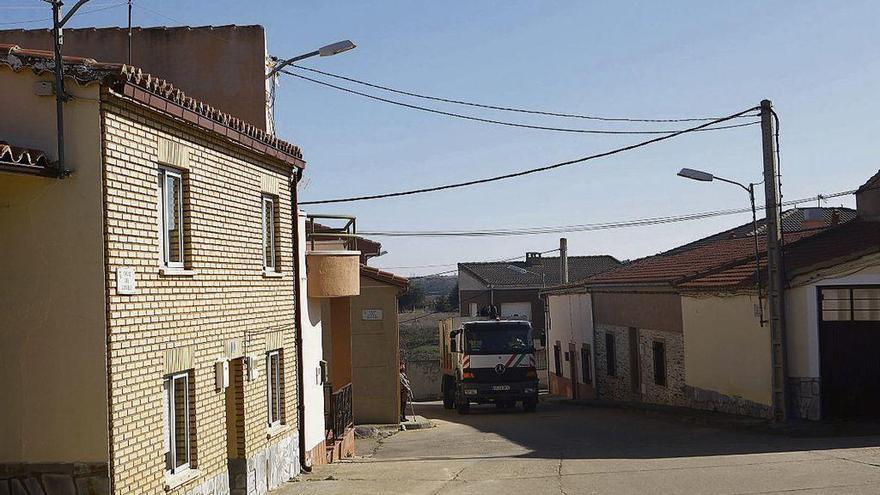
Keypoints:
pixel 448 400
pixel 529 405
pixel 462 405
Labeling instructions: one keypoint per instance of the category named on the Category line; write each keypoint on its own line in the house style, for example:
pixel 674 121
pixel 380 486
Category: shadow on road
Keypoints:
pixel 559 430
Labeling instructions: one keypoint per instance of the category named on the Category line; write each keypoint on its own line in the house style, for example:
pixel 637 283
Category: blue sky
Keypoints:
pixel 817 61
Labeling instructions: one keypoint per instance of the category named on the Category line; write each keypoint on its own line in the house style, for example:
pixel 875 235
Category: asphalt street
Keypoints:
pixel 565 449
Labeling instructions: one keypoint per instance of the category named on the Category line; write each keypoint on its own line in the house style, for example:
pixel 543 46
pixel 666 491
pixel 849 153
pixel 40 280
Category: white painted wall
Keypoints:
pixel 571 321
pixel 801 310
pixel 312 351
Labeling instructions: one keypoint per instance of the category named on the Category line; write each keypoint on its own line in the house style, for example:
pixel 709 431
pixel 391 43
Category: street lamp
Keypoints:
pixel 699 175
pixel 324 51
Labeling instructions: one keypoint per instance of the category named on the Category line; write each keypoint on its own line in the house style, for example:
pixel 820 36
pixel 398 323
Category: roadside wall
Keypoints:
pixel 424 378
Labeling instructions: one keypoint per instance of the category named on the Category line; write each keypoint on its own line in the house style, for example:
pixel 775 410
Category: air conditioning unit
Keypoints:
pixel 221 374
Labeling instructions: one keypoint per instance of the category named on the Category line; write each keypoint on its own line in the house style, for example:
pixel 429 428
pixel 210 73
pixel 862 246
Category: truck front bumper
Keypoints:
pixel 499 392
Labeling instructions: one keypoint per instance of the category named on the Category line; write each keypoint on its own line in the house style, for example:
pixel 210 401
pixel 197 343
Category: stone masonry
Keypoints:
pixel 617 387
pixel 673 392
pixel 804 397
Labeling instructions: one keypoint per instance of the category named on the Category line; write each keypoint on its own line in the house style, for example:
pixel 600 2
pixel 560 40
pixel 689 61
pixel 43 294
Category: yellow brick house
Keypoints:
pixel 147 299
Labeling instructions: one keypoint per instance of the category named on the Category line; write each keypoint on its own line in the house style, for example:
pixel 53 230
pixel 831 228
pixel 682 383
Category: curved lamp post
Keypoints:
pixel 699 175
pixel 324 51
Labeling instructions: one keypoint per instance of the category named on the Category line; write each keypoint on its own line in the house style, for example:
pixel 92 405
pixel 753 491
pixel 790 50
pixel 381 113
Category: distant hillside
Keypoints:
pixel 434 286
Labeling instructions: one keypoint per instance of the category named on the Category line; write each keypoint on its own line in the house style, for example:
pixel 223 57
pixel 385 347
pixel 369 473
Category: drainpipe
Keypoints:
pixel 300 406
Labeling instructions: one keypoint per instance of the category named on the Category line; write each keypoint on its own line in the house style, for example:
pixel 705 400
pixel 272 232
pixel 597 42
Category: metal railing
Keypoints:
pixel 340 416
pixel 316 231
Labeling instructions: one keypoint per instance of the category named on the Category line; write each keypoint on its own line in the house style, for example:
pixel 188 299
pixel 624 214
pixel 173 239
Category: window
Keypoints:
pixel 269 240
pixel 178 419
pixel 557 358
pixel 274 384
pixel 586 364
pixel 850 304
pixel 610 355
pixel 171 217
pixel 660 363
pixel 474 310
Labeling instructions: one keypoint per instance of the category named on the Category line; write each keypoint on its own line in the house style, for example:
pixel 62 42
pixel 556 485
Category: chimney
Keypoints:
pixel 813 218
pixel 868 199
pixel 533 259
pixel 563 260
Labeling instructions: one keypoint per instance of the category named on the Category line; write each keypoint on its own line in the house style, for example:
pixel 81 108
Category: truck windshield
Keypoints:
pixel 502 339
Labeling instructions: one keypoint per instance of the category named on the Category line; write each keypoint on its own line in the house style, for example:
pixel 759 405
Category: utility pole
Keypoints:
pixel 563 260
pixel 58 23
pixel 776 277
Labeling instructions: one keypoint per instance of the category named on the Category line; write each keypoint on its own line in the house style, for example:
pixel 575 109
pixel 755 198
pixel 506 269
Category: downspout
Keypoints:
pixel 300 391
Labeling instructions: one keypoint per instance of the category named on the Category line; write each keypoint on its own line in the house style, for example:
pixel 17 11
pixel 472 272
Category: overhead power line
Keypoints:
pixel 561 229
pixel 531 170
pixel 512 258
pixel 49 19
pixel 502 122
pixel 500 108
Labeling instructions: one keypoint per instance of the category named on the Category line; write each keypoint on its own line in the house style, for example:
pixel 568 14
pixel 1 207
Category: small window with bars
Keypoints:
pixel 610 355
pixel 850 303
pixel 270 241
pixel 275 387
pixel 586 364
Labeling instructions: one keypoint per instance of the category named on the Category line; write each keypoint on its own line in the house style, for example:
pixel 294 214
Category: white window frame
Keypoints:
pixel 270 263
pixel 171 426
pixel 274 392
pixel 164 247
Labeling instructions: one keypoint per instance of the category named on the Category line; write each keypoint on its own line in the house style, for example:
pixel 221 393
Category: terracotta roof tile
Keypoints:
pixel 383 276
pixel 545 274
pixel 23 160
pixel 155 92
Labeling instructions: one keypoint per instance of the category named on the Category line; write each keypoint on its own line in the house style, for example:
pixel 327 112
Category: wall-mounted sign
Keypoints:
pixel 125 282
pixel 371 315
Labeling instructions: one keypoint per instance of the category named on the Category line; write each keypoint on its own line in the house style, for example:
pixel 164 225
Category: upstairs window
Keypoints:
pixel 171 217
pixel 270 262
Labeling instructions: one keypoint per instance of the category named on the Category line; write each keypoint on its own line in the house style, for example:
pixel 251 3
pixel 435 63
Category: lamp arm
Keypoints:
pixel 290 61
pixel 722 179
pixel 72 11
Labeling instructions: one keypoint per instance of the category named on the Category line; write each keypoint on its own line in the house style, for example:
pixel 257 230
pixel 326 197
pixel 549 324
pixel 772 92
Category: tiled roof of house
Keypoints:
pixel 383 276
pixel 828 247
pixel 156 93
pixel 792 221
pixel 676 267
pixel 544 273
pixel 23 160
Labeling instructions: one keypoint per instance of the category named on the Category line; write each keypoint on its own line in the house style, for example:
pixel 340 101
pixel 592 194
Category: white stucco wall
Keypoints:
pixel 726 350
pixel 312 353
pixel 801 310
pixel 571 321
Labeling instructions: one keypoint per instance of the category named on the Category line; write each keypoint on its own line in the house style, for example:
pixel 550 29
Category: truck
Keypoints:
pixel 488 362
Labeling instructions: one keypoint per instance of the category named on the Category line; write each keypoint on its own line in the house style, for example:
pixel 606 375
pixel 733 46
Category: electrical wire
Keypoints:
pixel 49 19
pixel 529 171
pixel 493 107
pixel 502 122
pixel 641 222
pixel 512 258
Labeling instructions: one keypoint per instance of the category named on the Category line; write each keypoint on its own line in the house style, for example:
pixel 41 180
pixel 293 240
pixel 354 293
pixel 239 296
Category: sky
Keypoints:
pixel 817 61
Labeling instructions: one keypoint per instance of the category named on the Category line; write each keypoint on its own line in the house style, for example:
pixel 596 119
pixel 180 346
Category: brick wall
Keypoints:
pixel 225 308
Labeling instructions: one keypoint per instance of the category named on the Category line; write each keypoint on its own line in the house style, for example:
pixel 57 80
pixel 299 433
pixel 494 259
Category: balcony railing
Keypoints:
pixel 340 416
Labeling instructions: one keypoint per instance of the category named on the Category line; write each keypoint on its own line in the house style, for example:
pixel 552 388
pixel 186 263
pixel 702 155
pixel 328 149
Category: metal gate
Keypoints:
pixel 849 341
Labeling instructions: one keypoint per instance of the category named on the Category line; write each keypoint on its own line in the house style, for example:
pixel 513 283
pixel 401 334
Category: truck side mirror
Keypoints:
pixel 453 346
pixel 453 340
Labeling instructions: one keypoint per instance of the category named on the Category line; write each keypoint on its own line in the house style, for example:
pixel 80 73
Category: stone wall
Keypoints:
pixel 619 386
pixel 672 393
pixel 709 400
pixel 267 469
pixel 54 479
pixel 804 397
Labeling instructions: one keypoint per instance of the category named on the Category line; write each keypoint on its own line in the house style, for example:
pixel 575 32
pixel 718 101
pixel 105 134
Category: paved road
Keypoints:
pixel 570 450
